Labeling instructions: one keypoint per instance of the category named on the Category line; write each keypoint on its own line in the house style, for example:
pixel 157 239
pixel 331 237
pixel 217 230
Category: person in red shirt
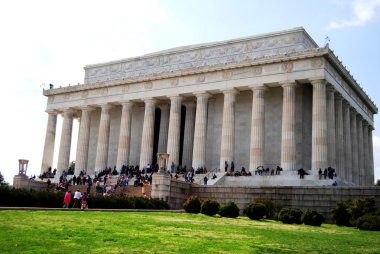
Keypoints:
pixel 67 200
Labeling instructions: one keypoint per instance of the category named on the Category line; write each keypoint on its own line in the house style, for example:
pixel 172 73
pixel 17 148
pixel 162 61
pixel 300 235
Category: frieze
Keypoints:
pixel 84 94
pixel 174 82
pixel 148 85
pixel 200 57
pixel 200 78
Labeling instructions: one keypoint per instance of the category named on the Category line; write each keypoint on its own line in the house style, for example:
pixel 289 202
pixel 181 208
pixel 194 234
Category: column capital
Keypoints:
pixel 189 104
pixel 330 88
pixel 164 106
pixel 229 91
pixel 52 112
pixel 359 117
pixel 365 123
pixel 338 96
pixel 288 83
pixel 202 94
pixel 370 128
pixel 126 103
pixel 86 108
pixel 318 81
pixel 175 97
pixel 149 100
pixel 353 111
pixel 260 87
pixel 106 106
pixel 346 103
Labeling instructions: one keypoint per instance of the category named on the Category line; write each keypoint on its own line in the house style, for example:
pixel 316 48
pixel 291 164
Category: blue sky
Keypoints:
pixel 51 41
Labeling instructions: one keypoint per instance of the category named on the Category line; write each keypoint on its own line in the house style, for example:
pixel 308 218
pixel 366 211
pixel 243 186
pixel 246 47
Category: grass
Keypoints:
pixel 159 232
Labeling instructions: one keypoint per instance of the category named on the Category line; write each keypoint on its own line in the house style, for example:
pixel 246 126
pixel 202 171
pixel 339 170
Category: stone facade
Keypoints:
pixel 273 99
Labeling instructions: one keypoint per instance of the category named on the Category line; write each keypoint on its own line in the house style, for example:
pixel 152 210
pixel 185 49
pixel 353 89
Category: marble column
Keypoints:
pixel 371 177
pixel 103 138
pixel 347 141
pixel 340 160
pixel 257 145
pixel 354 147
pixel 199 146
pixel 288 132
pixel 174 130
pixel 124 135
pixel 331 140
pixel 83 141
pixel 164 125
pixel 228 129
pixel 65 145
pixel 359 128
pixel 147 140
pixel 47 157
pixel 319 127
pixel 187 152
pixel 366 155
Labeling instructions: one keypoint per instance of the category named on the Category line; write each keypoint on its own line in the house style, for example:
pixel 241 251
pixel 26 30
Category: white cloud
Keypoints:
pixel 376 156
pixel 364 11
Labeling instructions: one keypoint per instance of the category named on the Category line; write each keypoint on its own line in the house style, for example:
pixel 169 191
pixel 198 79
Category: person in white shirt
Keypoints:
pixel 77 196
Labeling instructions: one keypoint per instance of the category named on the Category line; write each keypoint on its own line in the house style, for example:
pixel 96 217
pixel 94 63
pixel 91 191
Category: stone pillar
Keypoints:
pixel 83 141
pixel 331 140
pixel 257 145
pixel 339 136
pixel 103 138
pixel 124 135
pixel 288 135
pixel 187 153
pixel 47 158
pixel 359 128
pixel 347 141
pixel 371 177
pixel 174 130
pixel 366 155
pixel 354 147
pixel 199 146
pixel 65 145
pixel 146 152
pixel 319 127
pixel 228 129
pixel 164 125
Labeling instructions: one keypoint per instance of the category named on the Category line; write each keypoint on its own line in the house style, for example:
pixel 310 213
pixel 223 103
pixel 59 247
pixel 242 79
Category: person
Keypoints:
pixel 320 173
pixel 77 196
pixel 48 184
pixel 205 179
pixel 84 201
pixel 232 166
pixel 325 173
pixel 225 166
pixel 143 184
pixel 67 199
pixel 172 168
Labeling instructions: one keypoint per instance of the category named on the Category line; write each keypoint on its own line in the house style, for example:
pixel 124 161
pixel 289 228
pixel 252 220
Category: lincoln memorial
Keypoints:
pixel 275 99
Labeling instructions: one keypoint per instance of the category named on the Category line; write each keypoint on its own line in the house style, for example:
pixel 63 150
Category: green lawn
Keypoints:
pixel 160 232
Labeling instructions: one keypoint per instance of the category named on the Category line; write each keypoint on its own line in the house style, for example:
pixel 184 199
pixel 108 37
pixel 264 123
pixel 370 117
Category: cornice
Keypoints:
pixel 351 81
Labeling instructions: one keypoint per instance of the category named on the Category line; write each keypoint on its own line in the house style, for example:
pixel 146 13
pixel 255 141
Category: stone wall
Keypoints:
pixel 321 199
pixel 23 182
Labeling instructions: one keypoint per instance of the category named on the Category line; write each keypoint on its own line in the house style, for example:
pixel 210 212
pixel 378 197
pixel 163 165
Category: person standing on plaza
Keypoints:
pixel 84 201
pixel 67 199
pixel 77 196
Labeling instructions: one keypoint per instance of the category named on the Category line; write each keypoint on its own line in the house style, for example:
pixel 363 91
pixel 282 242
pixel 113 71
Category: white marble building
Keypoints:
pixel 272 99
